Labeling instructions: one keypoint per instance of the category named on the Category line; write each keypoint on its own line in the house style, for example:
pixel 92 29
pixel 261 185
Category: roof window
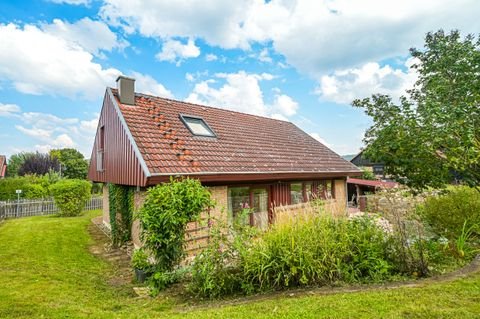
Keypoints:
pixel 197 126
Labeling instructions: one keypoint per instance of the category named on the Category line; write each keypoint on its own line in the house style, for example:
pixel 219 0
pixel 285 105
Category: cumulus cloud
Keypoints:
pixel 241 92
pixel 316 37
pixel 8 109
pixel 344 86
pixel 37 62
pixel 148 85
pixel 175 51
pixel 93 36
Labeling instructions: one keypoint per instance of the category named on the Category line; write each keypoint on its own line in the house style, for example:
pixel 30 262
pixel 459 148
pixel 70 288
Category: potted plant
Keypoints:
pixel 140 264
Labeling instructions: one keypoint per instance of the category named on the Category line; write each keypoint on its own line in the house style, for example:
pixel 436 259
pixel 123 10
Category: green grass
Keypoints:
pixel 47 271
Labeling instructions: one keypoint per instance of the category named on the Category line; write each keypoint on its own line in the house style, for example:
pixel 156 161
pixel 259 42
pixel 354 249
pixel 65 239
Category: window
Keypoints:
pixel 296 193
pixel 197 126
pixel 253 198
pixel 101 150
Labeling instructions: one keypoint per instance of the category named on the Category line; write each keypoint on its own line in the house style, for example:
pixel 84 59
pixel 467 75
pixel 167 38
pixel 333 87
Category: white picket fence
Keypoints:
pixel 38 207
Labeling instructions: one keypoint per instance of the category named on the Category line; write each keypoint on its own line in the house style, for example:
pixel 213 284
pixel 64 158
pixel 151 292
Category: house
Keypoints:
pixel 361 161
pixel 245 160
pixel 3 166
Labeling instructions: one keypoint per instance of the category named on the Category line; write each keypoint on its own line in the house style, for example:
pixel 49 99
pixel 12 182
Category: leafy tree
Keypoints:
pixel 434 131
pixel 367 174
pixel 15 162
pixel 73 163
pixel 39 164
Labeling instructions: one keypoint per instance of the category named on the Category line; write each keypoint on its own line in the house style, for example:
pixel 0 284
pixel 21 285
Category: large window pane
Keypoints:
pixel 296 193
pixel 238 200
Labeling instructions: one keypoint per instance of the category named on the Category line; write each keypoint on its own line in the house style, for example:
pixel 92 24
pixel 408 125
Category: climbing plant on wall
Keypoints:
pixel 121 211
pixel 167 210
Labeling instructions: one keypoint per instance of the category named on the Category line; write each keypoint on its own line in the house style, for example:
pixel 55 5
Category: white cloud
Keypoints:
pixel 211 57
pixel 176 51
pixel 148 85
pixel 285 104
pixel 9 109
pixel 316 37
pixel 37 62
pixel 264 56
pixel 241 92
pixel 72 2
pixel 93 36
pixel 346 85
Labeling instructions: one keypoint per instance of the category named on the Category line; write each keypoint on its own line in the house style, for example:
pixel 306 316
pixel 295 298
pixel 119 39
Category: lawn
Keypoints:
pixel 47 271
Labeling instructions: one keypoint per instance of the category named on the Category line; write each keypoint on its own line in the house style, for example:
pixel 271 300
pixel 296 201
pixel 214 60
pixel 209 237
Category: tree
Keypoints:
pixel 15 162
pixel 73 163
pixel 433 133
pixel 39 164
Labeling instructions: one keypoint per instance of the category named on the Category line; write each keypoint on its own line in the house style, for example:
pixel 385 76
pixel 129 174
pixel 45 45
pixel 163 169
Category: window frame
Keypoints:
pixel 184 118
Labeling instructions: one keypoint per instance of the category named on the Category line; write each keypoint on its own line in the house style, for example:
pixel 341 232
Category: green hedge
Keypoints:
pixel 447 213
pixel 71 195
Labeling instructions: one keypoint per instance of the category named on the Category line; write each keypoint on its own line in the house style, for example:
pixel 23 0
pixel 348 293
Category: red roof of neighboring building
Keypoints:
pixel 244 144
pixel 365 182
pixel 3 165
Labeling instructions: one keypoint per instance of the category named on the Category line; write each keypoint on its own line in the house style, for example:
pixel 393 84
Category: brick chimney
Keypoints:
pixel 126 90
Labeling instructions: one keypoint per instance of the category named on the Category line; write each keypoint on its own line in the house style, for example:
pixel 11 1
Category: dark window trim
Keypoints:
pixel 182 118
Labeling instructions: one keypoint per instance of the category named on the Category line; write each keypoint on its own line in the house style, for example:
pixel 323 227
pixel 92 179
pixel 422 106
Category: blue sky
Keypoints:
pixel 301 61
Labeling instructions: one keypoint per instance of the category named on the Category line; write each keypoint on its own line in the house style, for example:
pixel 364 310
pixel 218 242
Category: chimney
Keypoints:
pixel 126 90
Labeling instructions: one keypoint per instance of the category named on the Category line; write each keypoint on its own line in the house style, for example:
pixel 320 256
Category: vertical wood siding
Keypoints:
pixel 121 164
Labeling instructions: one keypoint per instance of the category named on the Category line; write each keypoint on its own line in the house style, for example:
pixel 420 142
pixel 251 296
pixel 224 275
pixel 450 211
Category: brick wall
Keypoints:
pixel 197 232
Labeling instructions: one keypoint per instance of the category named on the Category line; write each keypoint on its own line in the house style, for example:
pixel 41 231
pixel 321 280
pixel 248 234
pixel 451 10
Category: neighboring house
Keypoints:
pixel 357 188
pixel 245 160
pixel 3 166
pixel 361 161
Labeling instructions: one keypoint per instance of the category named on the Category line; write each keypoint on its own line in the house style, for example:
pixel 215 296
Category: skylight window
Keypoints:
pixel 197 126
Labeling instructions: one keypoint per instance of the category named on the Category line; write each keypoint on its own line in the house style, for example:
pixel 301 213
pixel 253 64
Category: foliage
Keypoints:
pixel 215 270
pixel 73 164
pixel 167 209
pixel 432 136
pixel 70 196
pixel 32 186
pixel 316 250
pixel 120 199
pixel 140 260
pixel 447 213
pixel 368 174
pixel 39 164
pixel 30 262
pixel 15 162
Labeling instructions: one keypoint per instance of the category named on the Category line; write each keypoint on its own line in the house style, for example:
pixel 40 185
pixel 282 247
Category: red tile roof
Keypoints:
pixel 365 182
pixel 244 144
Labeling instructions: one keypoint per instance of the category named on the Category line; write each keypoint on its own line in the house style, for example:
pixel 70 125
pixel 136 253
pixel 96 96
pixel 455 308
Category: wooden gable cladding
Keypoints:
pixel 121 163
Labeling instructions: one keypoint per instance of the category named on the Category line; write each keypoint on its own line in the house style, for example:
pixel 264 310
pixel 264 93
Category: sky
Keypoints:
pixel 300 61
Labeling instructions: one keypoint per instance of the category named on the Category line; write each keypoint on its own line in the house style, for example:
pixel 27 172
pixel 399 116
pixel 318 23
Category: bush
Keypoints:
pixel 32 187
pixel 318 250
pixel 140 260
pixel 447 213
pixel 167 209
pixel 71 195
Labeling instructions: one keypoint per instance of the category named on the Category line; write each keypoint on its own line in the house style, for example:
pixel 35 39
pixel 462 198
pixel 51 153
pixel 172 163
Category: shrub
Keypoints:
pixel 215 270
pixel 140 260
pixel 70 196
pixel 167 209
pixel 447 213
